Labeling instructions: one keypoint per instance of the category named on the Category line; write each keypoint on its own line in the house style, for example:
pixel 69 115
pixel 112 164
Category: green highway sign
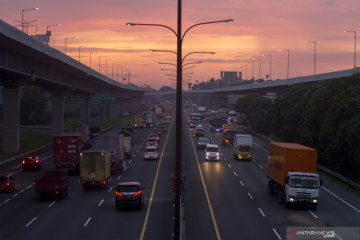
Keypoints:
pixel 102 100
pixel 75 99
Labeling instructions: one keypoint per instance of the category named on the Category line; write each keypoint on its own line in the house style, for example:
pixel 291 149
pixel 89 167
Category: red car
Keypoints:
pixel 7 183
pixel 31 163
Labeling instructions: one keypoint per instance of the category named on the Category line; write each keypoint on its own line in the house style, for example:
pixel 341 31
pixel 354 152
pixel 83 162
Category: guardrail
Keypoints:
pixel 41 149
pixel 331 173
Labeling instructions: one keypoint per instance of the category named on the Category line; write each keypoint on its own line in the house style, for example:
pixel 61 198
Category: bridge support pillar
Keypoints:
pixel 57 101
pixel 85 111
pixel 11 107
pixel 108 112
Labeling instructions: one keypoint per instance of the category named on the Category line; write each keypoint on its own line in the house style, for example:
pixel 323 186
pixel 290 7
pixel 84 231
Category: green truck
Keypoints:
pixel 127 122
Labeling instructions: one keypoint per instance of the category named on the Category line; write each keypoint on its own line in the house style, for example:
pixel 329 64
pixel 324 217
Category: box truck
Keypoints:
pixel 243 147
pixel 67 148
pixel 94 168
pixel 292 174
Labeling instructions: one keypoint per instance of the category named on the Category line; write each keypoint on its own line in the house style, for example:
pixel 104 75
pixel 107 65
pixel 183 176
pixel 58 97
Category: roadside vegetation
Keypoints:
pixel 323 115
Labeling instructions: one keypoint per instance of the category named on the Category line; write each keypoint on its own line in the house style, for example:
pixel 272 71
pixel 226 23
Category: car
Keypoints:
pixel 31 163
pixel 151 152
pixel 212 152
pixel 152 142
pixel 129 194
pixel 7 183
pixel 156 136
pixel 199 132
pixel 156 131
pixel 202 142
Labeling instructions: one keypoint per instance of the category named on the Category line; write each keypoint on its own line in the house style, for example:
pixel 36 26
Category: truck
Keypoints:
pixel 127 122
pixel 292 174
pixel 243 147
pixel 94 168
pixel 138 121
pixel 67 148
pixel 216 122
pixel 148 119
pixel 158 111
pixel 54 183
pixel 127 136
pixel 115 145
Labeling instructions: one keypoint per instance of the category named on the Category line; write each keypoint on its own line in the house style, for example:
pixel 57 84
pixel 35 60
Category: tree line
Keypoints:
pixel 323 115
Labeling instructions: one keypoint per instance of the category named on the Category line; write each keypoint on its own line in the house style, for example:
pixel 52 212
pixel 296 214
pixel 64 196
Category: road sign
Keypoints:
pixel 102 100
pixel 75 99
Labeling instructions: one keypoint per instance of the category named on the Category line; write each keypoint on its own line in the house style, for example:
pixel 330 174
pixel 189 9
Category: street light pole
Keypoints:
pixel 49 33
pixel 268 55
pixel 288 61
pixel 22 16
pixel 314 42
pixel 66 39
pixel 178 145
pixel 355 46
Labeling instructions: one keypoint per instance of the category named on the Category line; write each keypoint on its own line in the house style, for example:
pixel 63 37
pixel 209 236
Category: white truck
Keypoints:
pixel 243 147
pixel 115 145
pixel 127 142
pixel 148 119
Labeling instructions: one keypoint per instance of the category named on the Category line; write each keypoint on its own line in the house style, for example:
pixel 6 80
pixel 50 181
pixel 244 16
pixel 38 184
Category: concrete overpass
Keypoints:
pixel 220 96
pixel 24 60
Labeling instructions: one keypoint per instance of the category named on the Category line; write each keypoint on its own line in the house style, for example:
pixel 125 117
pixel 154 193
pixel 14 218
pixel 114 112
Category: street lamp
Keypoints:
pixel 268 55
pixel 106 61
pixel 245 71
pixel 80 51
pixel 66 39
pixel 288 61
pixel 259 59
pixel 49 33
pixel 100 57
pixel 313 42
pixel 178 144
pixel 22 16
pixel 352 31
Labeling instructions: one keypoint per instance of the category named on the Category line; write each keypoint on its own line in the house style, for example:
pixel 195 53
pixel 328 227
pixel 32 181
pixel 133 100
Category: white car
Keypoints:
pixel 151 152
pixel 212 152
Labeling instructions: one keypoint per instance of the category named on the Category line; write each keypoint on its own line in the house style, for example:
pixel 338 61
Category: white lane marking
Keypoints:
pixel 50 205
pixel 22 191
pixel 101 202
pixel 130 161
pixel 32 220
pixel 225 159
pixel 28 187
pixel 342 200
pixel 264 149
pixel 110 189
pixel 242 184
pixel 119 177
pixel 221 154
pixel 33 183
pixel 137 151
pixel 87 222
pixel 141 147
pixel 338 237
pixel 134 154
pixel 250 196
pixel 7 200
pixel 229 165
pixel 69 188
pixel 276 233
pixel 235 173
pixel 262 213
pixel 125 169
pixel 15 195
pixel 260 166
pixel 313 214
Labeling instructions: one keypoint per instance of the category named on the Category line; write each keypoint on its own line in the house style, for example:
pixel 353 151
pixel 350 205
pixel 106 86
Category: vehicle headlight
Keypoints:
pixel 314 200
pixel 217 154
pixel 291 199
pixel 207 154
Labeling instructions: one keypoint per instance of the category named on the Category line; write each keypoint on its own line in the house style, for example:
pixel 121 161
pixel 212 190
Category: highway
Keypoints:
pixel 223 200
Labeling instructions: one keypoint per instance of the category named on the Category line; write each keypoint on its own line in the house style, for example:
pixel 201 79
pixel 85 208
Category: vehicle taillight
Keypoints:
pixel 23 162
pixel 37 161
pixel 119 194
pixel 137 194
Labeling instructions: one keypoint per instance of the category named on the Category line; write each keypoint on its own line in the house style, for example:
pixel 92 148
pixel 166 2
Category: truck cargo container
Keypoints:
pixel 114 144
pixel 292 174
pixel 67 148
pixel 138 121
pixel 94 168
pixel 243 147
pixel 148 119
pixel 54 183
pixel 127 122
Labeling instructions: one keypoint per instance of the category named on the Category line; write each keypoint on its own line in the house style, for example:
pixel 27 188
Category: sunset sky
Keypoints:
pixel 259 27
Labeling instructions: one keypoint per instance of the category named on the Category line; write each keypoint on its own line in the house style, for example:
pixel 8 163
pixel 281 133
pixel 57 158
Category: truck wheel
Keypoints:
pixel 313 206
pixel 270 188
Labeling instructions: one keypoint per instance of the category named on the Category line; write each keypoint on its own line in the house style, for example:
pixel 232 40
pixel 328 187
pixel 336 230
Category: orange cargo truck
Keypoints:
pixel 292 174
